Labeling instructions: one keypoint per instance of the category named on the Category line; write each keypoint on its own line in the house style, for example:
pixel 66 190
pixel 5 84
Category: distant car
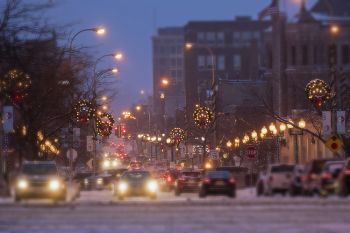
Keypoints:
pixel 135 165
pixel 136 183
pixel 278 178
pixel 329 177
pixel 218 182
pixel 170 179
pixel 296 184
pixel 312 176
pixel 99 181
pixel 344 180
pixel 79 177
pixel 40 180
pixel 187 181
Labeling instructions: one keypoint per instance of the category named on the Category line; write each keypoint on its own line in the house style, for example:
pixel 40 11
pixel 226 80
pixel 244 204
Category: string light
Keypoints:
pixel 15 85
pixel 177 135
pixel 202 116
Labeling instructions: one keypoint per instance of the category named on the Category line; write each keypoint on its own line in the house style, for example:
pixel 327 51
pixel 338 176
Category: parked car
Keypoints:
pixel 329 177
pixel 311 178
pixel 278 178
pixel 170 179
pixel 218 182
pixel 40 180
pixel 136 183
pixel 188 181
pixel 296 184
pixel 344 180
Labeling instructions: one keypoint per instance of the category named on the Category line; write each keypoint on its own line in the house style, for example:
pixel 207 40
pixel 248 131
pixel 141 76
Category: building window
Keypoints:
pixel 221 62
pixel 345 54
pixel 236 61
pixel 210 37
pixel 200 36
pixel 236 35
pixel 256 35
pixel 305 60
pixel 293 53
pixel 220 36
pixel 201 62
pixel 246 35
pixel 210 61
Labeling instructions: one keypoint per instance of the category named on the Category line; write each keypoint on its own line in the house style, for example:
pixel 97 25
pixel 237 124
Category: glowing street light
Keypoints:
pixel 104 98
pixel 138 108
pixel 100 30
pixel 334 29
pixel 229 144
pixel 114 70
pixel 165 82
pixel 283 127
pixel 118 56
pixel 264 130
pixel 302 123
pixel 254 135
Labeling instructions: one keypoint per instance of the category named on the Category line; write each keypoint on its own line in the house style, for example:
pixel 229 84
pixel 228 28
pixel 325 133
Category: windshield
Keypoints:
pixel 136 175
pixel 282 168
pixel 39 169
pixel 219 174
pixel 191 174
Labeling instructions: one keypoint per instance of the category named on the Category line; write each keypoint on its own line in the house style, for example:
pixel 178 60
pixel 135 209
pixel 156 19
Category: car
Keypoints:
pixel 329 177
pixel 135 165
pixel 136 183
pixel 170 178
pixel 278 178
pixel 344 180
pixel 80 177
pixel 187 181
pixel 99 181
pixel 311 178
pixel 40 179
pixel 218 182
pixel 296 184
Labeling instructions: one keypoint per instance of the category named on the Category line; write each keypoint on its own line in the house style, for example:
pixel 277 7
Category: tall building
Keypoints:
pixel 168 64
pixel 229 50
pixel 337 8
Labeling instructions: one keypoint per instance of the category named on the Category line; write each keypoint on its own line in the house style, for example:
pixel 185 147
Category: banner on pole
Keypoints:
pixel 7 118
pixel 326 123
pixel 341 129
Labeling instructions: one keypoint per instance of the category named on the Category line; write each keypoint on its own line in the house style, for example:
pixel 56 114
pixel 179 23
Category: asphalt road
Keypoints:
pixel 100 212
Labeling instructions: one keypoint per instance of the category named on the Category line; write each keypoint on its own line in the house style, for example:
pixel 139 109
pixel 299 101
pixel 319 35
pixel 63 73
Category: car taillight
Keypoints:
pixel 169 179
pixel 232 180
pixel 206 180
pixel 326 176
pixel 347 172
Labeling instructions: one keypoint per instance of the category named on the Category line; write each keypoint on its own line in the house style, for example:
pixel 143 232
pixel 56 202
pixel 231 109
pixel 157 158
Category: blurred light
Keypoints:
pixel 152 186
pixel 229 144
pixel 115 70
pixel 290 126
pixel 188 45
pixel 302 123
pixel 54 185
pixel 272 127
pixel 104 98
pixel 122 187
pixel 283 127
pixel 138 108
pixel 22 184
pixel 254 135
pixel 334 29
pixel 118 56
pixel 264 130
pixel 165 82
pixel 100 31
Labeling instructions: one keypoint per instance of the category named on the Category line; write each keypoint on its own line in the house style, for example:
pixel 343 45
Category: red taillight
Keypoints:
pixel 232 180
pixel 347 172
pixel 169 179
pixel 206 180
pixel 326 176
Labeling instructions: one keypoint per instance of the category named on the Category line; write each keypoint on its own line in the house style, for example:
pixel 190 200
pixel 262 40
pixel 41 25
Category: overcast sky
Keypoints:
pixel 131 23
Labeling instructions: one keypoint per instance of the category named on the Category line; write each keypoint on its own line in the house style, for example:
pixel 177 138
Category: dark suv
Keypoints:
pixel 40 179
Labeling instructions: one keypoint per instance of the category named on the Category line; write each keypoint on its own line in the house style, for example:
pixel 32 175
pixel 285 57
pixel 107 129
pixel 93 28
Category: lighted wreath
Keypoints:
pixel 318 92
pixel 202 116
pixel 177 135
pixel 15 85
pixel 84 111
pixel 104 124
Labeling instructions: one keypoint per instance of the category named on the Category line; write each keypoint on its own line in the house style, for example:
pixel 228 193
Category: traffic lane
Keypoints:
pixel 158 217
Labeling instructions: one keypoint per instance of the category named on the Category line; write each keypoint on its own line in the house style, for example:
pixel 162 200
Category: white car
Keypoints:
pixel 278 178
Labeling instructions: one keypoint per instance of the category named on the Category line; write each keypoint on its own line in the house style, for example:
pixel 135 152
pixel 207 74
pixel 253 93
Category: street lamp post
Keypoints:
pixel 189 46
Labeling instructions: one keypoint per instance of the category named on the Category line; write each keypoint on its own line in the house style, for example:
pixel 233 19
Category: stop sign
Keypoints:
pixel 251 152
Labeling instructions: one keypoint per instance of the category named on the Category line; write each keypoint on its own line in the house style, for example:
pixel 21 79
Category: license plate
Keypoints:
pixel 220 183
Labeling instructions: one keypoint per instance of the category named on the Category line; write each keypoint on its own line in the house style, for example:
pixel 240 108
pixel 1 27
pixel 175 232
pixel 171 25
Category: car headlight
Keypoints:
pixel 115 163
pixel 54 185
pixel 152 186
pixel 106 164
pixel 99 181
pixel 22 184
pixel 122 187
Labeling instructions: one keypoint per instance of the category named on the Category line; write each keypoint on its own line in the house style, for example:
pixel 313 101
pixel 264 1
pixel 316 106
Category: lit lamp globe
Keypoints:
pixel 302 123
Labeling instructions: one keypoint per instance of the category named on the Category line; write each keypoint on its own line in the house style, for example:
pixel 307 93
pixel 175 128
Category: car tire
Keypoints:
pixel 177 192
pixel 202 193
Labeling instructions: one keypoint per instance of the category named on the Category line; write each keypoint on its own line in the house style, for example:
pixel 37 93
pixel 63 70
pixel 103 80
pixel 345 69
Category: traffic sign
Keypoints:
pixel 72 154
pixel 251 152
pixel 334 143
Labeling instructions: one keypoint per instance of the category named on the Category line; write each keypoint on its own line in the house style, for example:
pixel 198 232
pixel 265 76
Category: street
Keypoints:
pixel 98 211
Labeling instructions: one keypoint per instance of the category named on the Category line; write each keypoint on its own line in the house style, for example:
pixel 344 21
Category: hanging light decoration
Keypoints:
pixel 318 92
pixel 177 135
pixel 15 85
pixel 104 124
pixel 202 116
pixel 83 111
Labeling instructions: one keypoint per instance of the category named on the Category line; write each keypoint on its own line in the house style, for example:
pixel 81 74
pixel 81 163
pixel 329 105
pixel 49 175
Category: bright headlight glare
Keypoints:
pixel 54 185
pixel 122 187
pixel 22 184
pixel 99 181
pixel 115 163
pixel 106 164
pixel 152 186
